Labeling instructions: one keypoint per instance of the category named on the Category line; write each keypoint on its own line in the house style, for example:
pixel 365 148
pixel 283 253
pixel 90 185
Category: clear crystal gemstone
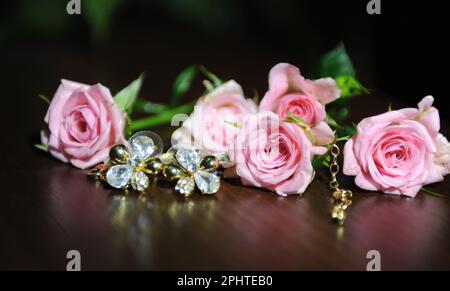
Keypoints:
pixel 146 144
pixel 208 183
pixel 142 147
pixel 189 158
pixel 176 147
pixel 119 175
pixel 139 181
pixel 185 186
pixel 134 160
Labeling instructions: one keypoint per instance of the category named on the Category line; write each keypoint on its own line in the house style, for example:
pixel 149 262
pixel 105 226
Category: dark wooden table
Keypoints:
pixel 48 208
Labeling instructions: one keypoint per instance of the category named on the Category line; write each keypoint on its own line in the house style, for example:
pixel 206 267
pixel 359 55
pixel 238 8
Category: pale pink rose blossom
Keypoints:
pixel 216 119
pixel 398 152
pixel 289 91
pixel 83 123
pixel 272 154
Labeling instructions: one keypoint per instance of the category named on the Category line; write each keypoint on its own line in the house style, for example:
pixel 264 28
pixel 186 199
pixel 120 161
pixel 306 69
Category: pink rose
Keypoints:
pixel 273 154
pixel 83 123
pixel 216 119
pixel 398 152
pixel 290 92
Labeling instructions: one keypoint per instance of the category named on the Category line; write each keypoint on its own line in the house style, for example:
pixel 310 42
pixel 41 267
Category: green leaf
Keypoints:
pixel 41 147
pixel 336 63
pixel 44 98
pixel 128 124
pixel 99 15
pixel 301 123
pixel 316 162
pixel 349 86
pixel 343 138
pixel 126 98
pixel 431 192
pixel 162 118
pixel 323 161
pixel 297 120
pixel 348 130
pixel 208 86
pixel 183 83
pixel 333 122
pixel 343 113
pixel 149 107
pixel 216 80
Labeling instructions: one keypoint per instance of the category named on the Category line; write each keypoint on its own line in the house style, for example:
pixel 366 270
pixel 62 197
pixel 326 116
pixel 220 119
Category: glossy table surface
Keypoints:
pixel 49 208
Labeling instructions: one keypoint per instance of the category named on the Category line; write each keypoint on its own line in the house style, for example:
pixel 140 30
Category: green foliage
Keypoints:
pixel 149 107
pixel 182 83
pixel 161 118
pixel 214 79
pixel 428 191
pixel 297 120
pixel 336 63
pixel 41 147
pixel 99 15
pixel 331 122
pixel 350 87
pixel 300 122
pixel 321 161
pixel 163 113
pixel 126 98
pixel 44 98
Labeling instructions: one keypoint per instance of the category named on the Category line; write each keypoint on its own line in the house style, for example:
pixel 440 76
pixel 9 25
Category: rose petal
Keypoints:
pixel 283 78
pixel 229 87
pixel 426 103
pixel 430 119
pixel 351 167
pixel 322 133
pixel 365 182
pixel 325 89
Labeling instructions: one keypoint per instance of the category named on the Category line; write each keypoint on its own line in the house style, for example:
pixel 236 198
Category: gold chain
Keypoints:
pixel 341 197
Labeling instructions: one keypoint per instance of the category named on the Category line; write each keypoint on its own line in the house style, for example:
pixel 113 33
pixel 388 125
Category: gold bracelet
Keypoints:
pixel 341 197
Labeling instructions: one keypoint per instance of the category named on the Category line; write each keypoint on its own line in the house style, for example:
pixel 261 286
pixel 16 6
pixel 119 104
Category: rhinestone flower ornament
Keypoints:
pixel 191 167
pixel 130 166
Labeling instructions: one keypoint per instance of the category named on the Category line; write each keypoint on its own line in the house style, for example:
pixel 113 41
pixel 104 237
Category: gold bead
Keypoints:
pixel 209 164
pixel 172 172
pixel 333 214
pixel 337 194
pixel 335 211
pixel 348 193
pixel 153 166
pixel 340 215
pixel 119 154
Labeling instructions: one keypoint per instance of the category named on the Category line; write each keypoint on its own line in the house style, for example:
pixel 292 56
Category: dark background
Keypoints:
pixel 403 52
